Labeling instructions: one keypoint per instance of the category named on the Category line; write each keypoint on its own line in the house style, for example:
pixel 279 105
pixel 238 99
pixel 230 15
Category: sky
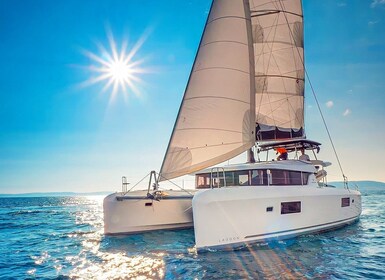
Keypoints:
pixel 65 127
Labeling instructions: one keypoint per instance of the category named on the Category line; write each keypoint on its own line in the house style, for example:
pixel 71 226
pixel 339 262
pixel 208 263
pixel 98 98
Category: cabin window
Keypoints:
pixel 305 178
pixel 243 179
pixel 233 178
pixel 295 178
pixel 203 181
pixel 237 178
pixel 290 207
pixel 259 177
pixel 279 177
pixel 345 202
pixel 288 177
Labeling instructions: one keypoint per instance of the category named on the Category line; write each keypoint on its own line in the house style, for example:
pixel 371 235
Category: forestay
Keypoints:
pixel 216 120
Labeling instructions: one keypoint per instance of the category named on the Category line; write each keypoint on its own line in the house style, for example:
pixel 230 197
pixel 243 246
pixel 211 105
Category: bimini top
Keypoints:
pixel 290 145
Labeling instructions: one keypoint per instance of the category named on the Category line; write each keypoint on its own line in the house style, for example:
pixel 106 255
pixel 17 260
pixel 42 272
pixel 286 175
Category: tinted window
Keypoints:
pixel 258 177
pixel 287 177
pixel 290 207
pixel 345 202
pixel 279 177
pixel 305 178
pixel 295 178
pixel 203 181
pixel 241 178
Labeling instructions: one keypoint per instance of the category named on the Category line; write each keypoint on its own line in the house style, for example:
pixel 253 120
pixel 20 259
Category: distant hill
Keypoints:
pixel 45 194
pixel 360 184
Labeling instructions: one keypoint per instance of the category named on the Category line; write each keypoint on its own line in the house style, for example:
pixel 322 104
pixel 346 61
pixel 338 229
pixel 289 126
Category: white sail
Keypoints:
pixel 216 120
pixel 279 68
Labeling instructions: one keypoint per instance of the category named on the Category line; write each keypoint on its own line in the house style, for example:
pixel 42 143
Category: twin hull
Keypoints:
pixel 231 217
pixel 134 212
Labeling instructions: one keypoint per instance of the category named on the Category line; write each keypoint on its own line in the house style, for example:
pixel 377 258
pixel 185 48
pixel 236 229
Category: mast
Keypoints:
pixel 250 153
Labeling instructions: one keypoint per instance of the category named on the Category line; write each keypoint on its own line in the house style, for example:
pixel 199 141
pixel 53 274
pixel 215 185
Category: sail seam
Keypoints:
pixel 224 41
pixel 224 17
pixel 216 145
pixel 224 68
pixel 217 97
pixel 208 128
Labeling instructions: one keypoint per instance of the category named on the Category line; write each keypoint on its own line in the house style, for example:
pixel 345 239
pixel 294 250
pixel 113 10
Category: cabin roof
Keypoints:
pixel 294 165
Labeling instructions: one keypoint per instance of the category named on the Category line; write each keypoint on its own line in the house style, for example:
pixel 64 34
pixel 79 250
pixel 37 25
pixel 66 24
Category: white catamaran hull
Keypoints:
pixel 134 212
pixel 232 217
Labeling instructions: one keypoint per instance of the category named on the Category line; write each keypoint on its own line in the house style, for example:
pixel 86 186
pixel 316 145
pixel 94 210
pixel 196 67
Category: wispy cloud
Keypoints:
pixel 347 112
pixel 341 4
pixel 350 91
pixel 329 104
pixel 376 3
pixel 370 23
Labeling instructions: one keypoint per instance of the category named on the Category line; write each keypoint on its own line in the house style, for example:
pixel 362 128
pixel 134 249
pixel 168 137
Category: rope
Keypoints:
pixel 160 175
pixel 137 183
pixel 318 106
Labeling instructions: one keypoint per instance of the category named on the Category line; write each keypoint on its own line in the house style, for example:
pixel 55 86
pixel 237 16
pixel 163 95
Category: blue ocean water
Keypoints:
pixel 62 238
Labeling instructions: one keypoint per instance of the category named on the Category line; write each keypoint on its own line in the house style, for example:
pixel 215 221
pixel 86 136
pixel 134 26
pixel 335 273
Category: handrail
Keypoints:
pixel 217 169
pixel 124 184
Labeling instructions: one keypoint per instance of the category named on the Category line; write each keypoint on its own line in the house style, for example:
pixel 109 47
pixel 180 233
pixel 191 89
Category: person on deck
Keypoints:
pixel 304 156
pixel 282 154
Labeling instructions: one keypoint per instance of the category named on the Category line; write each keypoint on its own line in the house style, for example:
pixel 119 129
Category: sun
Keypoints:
pixel 120 71
pixel 116 68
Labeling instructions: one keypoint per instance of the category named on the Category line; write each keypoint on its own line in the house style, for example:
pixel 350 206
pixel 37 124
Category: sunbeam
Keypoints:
pixel 117 67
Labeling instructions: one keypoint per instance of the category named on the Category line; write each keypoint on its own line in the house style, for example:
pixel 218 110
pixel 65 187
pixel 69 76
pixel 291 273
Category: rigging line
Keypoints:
pixel 258 13
pixel 287 95
pixel 160 175
pixel 289 105
pixel 272 32
pixel 280 76
pixel 137 183
pixel 319 107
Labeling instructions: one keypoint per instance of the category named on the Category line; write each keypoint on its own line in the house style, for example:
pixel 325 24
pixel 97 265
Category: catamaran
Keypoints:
pixel 245 94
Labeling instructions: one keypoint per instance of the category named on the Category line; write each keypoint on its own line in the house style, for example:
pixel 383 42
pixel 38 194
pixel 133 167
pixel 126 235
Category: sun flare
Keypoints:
pixel 117 68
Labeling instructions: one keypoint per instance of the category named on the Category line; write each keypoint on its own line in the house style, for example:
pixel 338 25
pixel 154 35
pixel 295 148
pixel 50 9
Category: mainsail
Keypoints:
pixel 277 27
pixel 246 84
pixel 216 120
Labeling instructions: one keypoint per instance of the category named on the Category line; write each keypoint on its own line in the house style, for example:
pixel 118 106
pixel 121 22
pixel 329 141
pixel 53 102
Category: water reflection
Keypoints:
pixel 119 266
pixel 171 254
pixel 108 262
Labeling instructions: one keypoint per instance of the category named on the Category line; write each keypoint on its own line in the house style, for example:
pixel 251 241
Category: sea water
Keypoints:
pixel 62 238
